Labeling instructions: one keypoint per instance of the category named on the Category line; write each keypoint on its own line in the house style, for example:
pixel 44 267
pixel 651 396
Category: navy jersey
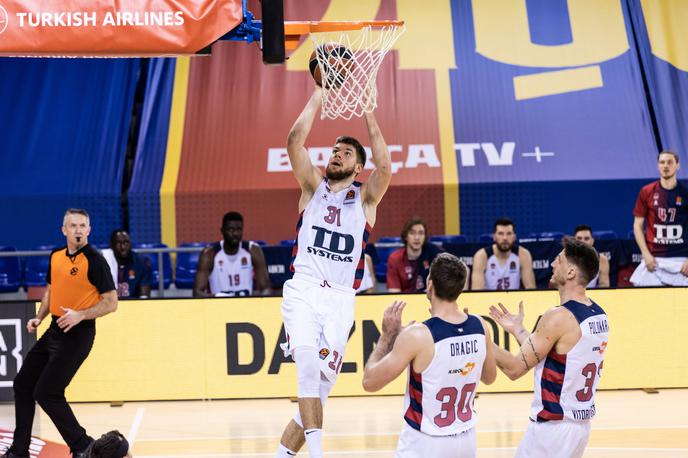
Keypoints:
pixel 132 274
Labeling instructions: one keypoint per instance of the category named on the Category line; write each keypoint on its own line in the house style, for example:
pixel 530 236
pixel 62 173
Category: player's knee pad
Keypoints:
pixel 308 370
pixel 325 389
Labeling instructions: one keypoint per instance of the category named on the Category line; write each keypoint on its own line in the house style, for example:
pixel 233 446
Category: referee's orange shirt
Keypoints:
pixel 77 281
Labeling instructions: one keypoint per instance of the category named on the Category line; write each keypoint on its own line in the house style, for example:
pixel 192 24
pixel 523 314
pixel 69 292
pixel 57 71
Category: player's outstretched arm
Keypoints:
pixel 534 348
pixel 395 349
pixel 510 322
pixel 382 175
pixel 306 173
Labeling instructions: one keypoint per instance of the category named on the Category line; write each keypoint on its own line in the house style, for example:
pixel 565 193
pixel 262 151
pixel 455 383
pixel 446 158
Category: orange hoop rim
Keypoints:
pixel 305 27
pixel 294 30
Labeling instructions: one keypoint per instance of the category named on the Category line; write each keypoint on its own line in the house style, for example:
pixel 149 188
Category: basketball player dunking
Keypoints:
pixel 337 214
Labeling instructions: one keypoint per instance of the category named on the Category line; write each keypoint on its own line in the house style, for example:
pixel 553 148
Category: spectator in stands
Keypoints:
pixel 663 241
pixel 408 267
pixel 231 267
pixel 131 272
pixel 583 233
pixel 504 264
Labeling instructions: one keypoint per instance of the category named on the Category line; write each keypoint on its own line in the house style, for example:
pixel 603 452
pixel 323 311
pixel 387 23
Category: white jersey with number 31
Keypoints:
pixel 332 234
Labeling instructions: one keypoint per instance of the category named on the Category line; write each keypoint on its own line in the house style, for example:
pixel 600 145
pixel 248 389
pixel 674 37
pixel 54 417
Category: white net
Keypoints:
pixel 348 62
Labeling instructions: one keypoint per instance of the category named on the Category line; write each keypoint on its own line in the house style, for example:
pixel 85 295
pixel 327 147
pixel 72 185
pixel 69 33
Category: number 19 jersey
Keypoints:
pixel 332 234
pixel 565 384
pixel 439 400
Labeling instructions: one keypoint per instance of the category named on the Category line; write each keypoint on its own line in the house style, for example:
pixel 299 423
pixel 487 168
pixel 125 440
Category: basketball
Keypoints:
pixel 337 61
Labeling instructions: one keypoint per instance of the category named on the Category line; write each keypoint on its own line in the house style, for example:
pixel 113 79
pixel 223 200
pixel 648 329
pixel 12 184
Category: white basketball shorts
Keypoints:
pixel 415 444
pixel 554 439
pixel 318 314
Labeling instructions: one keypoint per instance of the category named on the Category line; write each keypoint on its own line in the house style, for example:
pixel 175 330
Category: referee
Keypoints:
pixel 80 289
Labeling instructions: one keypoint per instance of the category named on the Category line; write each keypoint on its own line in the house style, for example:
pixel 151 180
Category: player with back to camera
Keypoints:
pixel 446 357
pixel 566 351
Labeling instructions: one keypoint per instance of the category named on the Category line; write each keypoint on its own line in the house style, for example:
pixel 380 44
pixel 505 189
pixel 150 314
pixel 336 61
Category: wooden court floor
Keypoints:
pixel 628 424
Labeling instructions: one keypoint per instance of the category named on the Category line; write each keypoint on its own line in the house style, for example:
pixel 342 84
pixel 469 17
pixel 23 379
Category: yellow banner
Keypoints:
pixel 229 348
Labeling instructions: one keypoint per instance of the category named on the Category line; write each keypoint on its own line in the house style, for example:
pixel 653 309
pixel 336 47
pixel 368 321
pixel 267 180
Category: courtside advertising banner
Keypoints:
pixel 15 343
pixel 229 348
pixel 113 27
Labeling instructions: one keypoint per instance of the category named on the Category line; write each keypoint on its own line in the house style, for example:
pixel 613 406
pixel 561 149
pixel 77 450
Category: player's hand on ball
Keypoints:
pixel 391 319
pixel 33 324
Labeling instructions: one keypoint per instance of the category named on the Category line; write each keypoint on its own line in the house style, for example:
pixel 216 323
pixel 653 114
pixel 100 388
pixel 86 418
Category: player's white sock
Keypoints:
pixel 314 441
pixel 284 452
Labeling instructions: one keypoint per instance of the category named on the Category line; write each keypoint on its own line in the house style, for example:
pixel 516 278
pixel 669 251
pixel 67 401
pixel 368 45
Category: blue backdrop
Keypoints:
pixel 553 124
pixel 65 125
pixel 144 195
pixel 552 128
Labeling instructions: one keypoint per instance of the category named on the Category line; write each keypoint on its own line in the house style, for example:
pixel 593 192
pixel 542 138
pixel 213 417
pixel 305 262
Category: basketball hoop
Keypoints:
pixel 352 90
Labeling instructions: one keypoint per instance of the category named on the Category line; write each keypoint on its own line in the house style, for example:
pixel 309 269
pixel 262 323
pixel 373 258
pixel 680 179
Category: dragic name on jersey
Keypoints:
pixel 439 401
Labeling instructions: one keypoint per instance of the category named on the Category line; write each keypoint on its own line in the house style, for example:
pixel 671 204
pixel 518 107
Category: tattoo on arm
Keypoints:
pixel 533 348
pixel 523 357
